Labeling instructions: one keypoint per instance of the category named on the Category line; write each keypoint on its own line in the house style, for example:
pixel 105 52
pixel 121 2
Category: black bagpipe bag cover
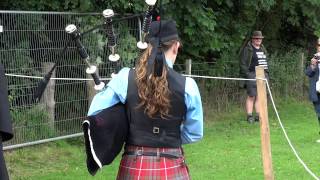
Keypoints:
pixel 105 134
pixel 5 118
pixel 6 132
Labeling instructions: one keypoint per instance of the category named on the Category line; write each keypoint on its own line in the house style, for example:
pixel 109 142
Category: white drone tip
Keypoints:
pixel 91 69
pixel 142 45
pixel 108 13
pixel 151 2
pixel 114 57
pixel 99 86
pixel 71 28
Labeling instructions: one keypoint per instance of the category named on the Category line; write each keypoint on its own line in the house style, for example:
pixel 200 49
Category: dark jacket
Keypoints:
pixel 246 58
pixel 313 78
pixel 6 132
pixel 245 61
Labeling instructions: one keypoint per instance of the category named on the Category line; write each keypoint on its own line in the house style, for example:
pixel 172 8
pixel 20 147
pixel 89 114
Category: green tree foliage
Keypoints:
pixel 211 28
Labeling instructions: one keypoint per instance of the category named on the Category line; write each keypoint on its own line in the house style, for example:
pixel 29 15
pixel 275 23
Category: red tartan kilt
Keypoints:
pixel 134 167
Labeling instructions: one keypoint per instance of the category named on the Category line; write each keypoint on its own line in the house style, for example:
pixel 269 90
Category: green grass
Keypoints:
pixel 230 150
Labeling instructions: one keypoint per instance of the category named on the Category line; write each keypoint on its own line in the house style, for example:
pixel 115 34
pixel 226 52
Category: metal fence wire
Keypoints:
pixel 30 43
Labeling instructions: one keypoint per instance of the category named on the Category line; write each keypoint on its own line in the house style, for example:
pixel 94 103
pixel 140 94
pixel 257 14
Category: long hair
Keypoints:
pixel 153 91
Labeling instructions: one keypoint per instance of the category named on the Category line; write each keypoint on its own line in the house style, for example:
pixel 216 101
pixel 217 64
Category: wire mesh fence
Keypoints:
pixel 30 44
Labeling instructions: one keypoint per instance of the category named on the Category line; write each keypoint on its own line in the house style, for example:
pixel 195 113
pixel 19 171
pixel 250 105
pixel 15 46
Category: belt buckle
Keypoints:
pixel 156 130
pixel 139 152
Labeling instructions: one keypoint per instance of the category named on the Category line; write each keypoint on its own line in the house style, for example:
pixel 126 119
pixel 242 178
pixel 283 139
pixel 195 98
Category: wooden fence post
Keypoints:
pixel 48 95
pixel 188 66
pixel 264 124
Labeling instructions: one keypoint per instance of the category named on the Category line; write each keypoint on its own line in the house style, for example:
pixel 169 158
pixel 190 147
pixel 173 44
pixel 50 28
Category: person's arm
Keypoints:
pixel 267 59
pixel 115 92
pixel 244 67
pixel 192 127
pixel 310 71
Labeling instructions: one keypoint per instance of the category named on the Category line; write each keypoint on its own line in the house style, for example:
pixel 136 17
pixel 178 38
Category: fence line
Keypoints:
pixel 29 42
pixel 67 79
pixel 41 141
pixel 46 12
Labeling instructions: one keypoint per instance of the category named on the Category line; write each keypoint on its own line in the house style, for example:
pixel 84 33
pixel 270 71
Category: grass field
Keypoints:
pixel 230 150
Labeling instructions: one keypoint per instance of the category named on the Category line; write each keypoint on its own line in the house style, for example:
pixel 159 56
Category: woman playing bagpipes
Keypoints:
pixel 163 108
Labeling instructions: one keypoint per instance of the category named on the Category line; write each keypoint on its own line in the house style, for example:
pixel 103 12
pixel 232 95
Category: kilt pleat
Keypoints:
pixel 133 167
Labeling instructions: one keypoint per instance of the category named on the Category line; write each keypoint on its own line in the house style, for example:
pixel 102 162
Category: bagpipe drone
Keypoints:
pixel 75 36
pixel 91 69
pixel 142 44
pixel 105 132
pixel 113 57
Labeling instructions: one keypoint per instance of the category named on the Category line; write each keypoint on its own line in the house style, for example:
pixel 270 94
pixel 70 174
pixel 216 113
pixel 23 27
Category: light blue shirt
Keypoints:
pixel 116 91
pixel 319 71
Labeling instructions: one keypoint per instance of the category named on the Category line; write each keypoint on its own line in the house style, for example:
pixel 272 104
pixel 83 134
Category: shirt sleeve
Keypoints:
pixel 192 128
pixel 115 92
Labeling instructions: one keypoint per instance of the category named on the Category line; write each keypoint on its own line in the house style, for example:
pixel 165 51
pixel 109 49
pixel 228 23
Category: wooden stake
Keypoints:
pixel 264 125
pixel 48 95
pixel 188 66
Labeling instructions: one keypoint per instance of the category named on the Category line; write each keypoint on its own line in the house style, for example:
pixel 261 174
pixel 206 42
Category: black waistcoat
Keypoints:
pixel 156 132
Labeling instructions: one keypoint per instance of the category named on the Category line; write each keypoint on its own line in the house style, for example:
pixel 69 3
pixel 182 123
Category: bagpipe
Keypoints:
pixel 74 36
pixel 105 132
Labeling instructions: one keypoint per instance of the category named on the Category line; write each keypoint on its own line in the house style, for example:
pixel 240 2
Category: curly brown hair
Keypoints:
pixel 153 91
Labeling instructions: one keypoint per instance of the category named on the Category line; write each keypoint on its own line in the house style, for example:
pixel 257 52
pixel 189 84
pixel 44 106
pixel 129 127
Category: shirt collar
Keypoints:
pixel 169 63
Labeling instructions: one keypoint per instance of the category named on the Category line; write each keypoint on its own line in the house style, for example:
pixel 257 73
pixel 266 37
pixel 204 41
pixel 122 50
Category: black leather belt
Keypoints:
pixel 160 154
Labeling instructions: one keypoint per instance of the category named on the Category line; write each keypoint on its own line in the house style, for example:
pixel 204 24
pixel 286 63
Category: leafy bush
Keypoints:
pixel 32 124
pixel 287 72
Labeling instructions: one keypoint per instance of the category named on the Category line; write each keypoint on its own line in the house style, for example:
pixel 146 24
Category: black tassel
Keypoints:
pixel 158 64
pixel 43 84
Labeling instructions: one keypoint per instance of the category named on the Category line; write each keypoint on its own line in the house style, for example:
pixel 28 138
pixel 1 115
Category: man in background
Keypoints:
pixel 253 54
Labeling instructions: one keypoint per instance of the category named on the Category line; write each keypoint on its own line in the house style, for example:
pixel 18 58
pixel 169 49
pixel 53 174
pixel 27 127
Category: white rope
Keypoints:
pixel 84 79
pixel 67 79
pixel 208 77
pixel 225 78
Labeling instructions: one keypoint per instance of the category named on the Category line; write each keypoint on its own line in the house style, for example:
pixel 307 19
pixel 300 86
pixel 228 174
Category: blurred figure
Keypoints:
pixel 254 54
pixel 312 72
pixel 5 122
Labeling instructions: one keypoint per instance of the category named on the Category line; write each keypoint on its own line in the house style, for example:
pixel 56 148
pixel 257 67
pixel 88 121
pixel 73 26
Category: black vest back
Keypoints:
pixel 156 132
